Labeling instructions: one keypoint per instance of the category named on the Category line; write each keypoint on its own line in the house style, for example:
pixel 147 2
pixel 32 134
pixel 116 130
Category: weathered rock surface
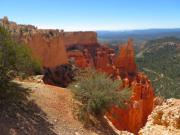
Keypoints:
pixel 104 60
pixel 140 106
pixel 122 67
pixel 81 59
pixel 164 120
pixel 80 39
pixel 49 46
pixel 50 50
pixel 125 61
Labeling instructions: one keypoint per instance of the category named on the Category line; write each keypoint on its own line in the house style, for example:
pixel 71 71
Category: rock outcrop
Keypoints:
pixel 53 48
pixel 46 45
pixel 81 48
pixel 125 61
pixel 164 120
pixel 140 106
pixel 81 59
pixel 49 49
pixel 104 60
pixel 75 39
pixel 50 46
pixel 122 67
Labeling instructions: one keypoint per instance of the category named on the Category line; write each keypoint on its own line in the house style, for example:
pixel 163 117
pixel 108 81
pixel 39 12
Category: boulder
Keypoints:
pixel 59 76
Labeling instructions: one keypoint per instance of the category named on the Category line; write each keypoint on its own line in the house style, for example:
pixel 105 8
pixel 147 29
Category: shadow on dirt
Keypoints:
pixel 19 115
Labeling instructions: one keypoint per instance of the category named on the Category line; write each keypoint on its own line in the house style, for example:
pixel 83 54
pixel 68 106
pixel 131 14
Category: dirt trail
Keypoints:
pixel 57 103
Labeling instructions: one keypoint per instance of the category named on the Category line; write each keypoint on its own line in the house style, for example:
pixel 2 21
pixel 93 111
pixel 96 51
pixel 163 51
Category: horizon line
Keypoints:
pixel 46 27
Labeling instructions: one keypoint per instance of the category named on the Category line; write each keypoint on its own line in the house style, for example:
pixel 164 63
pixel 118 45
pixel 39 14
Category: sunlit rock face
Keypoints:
pixel 50 50
pixel 164 119
pixel 123 67
pixel 134 116
pixel 104 60
pixel 81 48
pixel 84 39
pixel 46 45
pixel 140 106
pixel 82 59
pixel 50 46
pixel 125 61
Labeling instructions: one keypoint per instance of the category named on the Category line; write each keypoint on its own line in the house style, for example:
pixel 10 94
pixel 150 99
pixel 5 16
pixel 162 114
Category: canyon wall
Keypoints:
pixel 49 50
pixel 87 38
pixel 49 46
pixel 134 116
pixel 122 67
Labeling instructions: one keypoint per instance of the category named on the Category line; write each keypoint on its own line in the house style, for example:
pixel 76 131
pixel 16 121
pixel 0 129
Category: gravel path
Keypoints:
pixel 56 103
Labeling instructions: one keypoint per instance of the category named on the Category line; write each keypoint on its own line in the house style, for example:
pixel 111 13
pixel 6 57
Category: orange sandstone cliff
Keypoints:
pixel 135 115
pixel 51 46
pixel 49 49
pixel 81 47
pixel 122 67
pixel 140 106
pixel 125 61
pixel 87 38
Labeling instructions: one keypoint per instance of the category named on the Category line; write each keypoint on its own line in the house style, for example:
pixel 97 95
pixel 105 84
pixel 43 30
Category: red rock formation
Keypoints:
pixel 86 44
pixel 88 38
pixel 49 45
pixel 104 60
pixel 49 50
pixel 125 61
pixel 123 66
pixel 135 115
pixel 81 59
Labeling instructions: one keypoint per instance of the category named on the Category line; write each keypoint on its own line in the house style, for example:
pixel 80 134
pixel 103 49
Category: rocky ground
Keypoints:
pixel 48 110
pixel 164 120
pixel 56 103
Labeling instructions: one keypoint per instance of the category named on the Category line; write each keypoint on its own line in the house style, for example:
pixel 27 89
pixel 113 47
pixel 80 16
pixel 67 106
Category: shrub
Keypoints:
pixel 16 56
pixel 25 63
pixel 96 93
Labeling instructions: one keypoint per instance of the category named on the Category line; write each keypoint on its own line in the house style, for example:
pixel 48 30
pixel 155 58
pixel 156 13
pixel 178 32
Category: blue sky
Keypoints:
pixel 94 14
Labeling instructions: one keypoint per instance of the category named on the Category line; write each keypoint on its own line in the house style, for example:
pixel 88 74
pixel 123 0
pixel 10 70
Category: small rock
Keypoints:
pixel 76 133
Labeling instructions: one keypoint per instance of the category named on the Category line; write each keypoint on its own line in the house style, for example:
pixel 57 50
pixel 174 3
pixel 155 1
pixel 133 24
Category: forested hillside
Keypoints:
pixel 160 60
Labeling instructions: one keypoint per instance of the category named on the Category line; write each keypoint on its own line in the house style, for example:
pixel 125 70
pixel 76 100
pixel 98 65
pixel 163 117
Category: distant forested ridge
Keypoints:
pixel 160 60
pixel 138 35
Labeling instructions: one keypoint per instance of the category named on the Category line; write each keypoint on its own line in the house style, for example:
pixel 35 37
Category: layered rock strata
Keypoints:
pixel 49 46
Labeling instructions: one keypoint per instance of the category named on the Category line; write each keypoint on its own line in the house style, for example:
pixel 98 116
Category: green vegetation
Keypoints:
pixel 96 93
pixel 16 56
pixel 160 60
pixel 15 60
